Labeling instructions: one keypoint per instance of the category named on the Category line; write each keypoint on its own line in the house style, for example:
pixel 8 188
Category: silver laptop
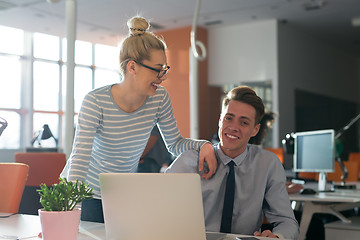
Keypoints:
pixel 149 206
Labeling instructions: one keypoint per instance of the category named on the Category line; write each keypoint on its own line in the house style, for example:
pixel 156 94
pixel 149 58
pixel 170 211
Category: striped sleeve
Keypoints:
pixel 175 143
pixel 88 122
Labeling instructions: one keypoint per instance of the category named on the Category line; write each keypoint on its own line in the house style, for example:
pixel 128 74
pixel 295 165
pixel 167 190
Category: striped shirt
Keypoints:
pixel 108 139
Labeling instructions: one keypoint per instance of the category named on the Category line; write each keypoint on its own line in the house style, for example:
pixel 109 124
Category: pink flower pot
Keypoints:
pixel 60 225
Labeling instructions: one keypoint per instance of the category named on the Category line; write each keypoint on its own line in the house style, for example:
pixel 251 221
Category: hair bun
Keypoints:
pixel 138 26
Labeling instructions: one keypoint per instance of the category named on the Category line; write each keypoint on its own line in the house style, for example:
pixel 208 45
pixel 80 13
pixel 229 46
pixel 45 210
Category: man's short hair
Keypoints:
pixel 246 95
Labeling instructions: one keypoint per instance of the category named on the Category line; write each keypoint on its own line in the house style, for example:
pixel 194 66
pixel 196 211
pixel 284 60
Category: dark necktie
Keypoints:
pixel 228 201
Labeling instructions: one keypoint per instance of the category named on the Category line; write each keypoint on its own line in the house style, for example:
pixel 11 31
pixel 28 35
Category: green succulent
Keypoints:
pixel 64 196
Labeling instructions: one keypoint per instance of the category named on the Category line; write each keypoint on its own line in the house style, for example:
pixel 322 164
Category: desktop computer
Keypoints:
pixel 314 152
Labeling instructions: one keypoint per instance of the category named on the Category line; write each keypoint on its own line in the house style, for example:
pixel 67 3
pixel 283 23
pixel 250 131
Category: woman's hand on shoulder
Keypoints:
pixel 207 154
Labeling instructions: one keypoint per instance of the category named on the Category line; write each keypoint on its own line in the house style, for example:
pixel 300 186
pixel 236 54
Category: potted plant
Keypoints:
pixel 60 218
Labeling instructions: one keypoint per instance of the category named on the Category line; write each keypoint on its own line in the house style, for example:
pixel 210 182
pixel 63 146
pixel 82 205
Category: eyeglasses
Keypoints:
pixel 161 72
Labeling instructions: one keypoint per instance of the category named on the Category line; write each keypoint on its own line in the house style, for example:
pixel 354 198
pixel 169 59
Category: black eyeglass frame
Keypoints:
pixel 161 72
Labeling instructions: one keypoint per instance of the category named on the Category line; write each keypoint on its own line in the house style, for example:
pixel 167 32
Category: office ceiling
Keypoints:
pixel 104 21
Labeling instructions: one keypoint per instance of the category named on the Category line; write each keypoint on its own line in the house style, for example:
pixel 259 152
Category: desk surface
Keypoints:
pixel 338 195
pixel 325 202
pixel 21 226
pixel 343 196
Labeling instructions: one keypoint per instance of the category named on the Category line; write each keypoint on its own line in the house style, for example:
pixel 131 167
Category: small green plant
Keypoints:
pixel 64 196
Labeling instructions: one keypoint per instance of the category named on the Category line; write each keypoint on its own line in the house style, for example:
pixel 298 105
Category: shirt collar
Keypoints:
pixel 220 155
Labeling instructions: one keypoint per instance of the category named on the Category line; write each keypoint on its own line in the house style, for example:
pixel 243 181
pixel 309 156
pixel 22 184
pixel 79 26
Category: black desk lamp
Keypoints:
pixel 344 171
pixel 43 134
pixel 288 143
pixel 3 124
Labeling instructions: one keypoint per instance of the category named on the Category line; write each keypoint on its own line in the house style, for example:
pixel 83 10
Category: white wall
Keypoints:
pixel 243 53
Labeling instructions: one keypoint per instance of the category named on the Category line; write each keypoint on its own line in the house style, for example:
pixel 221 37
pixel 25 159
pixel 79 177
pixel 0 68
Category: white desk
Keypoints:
pixel 325 202
pixel 22 226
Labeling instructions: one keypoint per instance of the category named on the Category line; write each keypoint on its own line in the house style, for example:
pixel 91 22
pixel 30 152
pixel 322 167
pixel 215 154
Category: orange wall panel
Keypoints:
pixel 177 83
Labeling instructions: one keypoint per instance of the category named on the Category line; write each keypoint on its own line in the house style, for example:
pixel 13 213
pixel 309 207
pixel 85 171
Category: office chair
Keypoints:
pixel 13 177
pixel 308 175
pixel 353 172
pixel 355 157
pixel 44 167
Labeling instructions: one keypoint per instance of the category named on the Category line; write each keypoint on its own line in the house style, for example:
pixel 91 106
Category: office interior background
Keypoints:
pixel 301 56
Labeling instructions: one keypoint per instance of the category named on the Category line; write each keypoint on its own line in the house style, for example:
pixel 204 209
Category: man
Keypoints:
pixel 259 176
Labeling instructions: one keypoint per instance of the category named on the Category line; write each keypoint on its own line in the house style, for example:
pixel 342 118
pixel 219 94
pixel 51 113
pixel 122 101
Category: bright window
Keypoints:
pixel 106 56
pixel 82 85
pixel 11 40
pixel 46 86
pixel 33 87
pixel 46 46
pixel 10 137
pixel 10 82
pixel 83 52
pixel 105 77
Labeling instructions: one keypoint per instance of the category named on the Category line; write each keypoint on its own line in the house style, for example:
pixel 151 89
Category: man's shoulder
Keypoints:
pixel 189 157
pixel 185 162
pixel 255 149
pixel 262 154
pixel 189 153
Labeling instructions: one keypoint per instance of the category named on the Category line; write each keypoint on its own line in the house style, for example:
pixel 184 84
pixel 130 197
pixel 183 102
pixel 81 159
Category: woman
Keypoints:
pixel 115 121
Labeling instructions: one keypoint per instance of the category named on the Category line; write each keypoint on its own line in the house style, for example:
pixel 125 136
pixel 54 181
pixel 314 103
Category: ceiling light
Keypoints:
pixel 355 22
pixel 156 26
pixel 53 1
pixel 314 5
pixel 216 22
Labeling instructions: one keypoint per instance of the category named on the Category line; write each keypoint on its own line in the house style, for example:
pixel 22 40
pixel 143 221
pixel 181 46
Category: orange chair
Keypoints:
pixel 308 175
pixel 44 167
pixel 352 167
pixel 12 182
pixel 355 157
pixel 279 153
pixel 353 171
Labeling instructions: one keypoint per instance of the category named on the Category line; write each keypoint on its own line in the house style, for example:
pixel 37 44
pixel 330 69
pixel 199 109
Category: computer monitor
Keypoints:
pixel 314 152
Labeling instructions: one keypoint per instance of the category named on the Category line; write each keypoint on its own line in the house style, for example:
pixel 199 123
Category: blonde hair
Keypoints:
pixel 137 45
